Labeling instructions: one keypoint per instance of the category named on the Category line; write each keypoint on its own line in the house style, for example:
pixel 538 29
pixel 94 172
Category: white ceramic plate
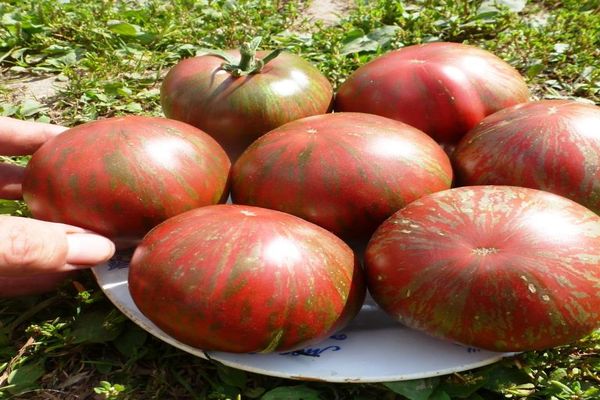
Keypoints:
pixel 373 348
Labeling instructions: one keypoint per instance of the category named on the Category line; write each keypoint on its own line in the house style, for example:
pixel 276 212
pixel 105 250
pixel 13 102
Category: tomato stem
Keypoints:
pixel 249 64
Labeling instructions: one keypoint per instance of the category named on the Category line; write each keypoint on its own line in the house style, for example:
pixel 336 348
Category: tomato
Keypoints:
pixel 443 89
pixel 551 145
pixel 245 279
pixel 346 172
pixel 498 267
pixel 122 176
pixel 236 110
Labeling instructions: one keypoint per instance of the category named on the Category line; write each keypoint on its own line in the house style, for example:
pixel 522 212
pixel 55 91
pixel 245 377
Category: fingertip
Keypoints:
pixel 85 249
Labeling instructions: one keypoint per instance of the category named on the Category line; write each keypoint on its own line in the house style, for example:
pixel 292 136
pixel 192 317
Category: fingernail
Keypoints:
pixel 88 249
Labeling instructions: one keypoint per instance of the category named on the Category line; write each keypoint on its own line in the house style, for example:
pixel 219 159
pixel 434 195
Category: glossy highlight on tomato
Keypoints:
pixel 122 176
pixel 237 110
pixel 498 267
pixel 346 172
pixel 245 279
pixel 551 145
pixel 442 88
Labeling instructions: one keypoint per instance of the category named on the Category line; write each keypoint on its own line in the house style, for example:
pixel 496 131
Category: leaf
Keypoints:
pixel 496 6
pixel 418 389
pixel 501 376
pixel 131 341
pixel 26 375
pixel 95 327
pixel 560 48
pixel 30 107
pixel 299 392
pixel 534 70
pixel 439 394
pixel 133 108
pixel 231 376
pixel 361 44
pixel 124 28
pixel 384 35
pixel 230 59
pixel 6 110
pixel 373 41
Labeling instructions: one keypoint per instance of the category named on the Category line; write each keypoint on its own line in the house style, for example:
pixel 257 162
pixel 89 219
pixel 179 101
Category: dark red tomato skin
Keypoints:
pixel 497 267
pixel 122 176
pixel 346 172
pixel 237 110
pixel 245 279
pixel 443 89
pixel 551 145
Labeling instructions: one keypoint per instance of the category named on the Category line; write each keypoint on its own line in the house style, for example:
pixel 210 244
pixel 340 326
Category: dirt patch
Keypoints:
pixel 330 12
pixel 38 88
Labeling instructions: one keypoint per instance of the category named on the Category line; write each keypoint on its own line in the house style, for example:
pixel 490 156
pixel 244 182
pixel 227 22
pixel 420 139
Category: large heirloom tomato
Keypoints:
pixel 122 176
pixel 346 172
pixel 498 267
pixel 443 89
pixel 239 100
pixel 245 279
pixel 552 145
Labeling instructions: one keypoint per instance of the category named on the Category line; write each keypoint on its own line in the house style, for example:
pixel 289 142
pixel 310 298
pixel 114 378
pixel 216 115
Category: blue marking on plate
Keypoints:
pixel 119 261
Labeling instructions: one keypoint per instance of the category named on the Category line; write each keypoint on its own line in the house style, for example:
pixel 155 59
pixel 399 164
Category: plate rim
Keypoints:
pixel 214 355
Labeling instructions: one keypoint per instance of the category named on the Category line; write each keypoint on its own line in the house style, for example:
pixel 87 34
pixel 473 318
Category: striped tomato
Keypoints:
pixel 245 279
pixel 498 267
pixel 237 99
pixel 443 89
pixel 552 145
pixel 122 176
pixel 346 172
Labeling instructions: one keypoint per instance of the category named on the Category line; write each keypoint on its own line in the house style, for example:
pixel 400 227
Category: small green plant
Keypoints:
pixel 109 391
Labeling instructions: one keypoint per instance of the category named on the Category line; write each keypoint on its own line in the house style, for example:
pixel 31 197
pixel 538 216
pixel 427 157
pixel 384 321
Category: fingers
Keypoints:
pixel 29 247
pixel 24 137
pixel 11 177
pixel 34 284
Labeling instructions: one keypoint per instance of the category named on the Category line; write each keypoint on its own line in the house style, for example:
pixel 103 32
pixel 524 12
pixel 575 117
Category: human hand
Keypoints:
pixel 35 256
pixel 19 138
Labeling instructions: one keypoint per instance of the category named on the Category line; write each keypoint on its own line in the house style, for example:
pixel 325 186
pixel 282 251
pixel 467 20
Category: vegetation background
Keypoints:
pixel 68 62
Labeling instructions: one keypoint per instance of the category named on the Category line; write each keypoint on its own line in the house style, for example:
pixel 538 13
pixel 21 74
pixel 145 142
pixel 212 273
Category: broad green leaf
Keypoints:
pixel 361 44
pixel 133 108
pixel 30 107
pixel 299 392
pixel 495 6
pixel 7 110
pixel 462 389
pixel 131 341
pixel 560 48
pixel 384 35
pixel 534 70
pixel 439 394
pixel 373 41
pixel 96 327
pixel 124 28
pixel 26 375
pixel 10 19
pixel 231 376
pixel 501 376
pixel 418 389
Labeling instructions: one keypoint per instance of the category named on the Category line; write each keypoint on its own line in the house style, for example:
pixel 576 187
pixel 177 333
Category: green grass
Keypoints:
pixel 109 58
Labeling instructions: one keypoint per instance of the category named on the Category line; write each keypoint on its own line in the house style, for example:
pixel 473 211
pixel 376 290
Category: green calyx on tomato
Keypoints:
pixel 248 63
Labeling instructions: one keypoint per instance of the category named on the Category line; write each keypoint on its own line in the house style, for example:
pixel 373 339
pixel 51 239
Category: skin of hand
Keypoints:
pixel 36 256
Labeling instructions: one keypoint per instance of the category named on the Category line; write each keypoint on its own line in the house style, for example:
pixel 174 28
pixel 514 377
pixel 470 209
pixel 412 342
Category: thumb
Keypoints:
pixel 29 246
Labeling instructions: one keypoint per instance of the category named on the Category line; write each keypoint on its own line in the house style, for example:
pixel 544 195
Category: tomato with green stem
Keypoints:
pixel 237 96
